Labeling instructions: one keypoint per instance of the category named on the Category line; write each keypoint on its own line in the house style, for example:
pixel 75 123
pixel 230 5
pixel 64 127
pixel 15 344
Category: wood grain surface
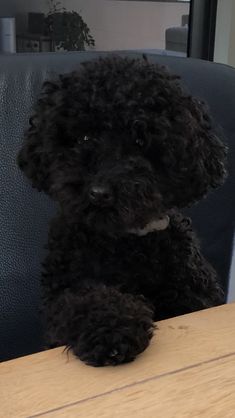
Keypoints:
pixel 188 371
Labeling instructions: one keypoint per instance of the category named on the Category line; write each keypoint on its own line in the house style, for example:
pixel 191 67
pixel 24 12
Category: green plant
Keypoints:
pixel 67 28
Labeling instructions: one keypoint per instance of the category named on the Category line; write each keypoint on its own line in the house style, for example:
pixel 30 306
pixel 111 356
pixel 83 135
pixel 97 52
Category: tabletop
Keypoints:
pixel 187 372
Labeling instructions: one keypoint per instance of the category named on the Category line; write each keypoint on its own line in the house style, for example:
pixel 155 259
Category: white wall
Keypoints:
pixel 231 293
pixel 225 33
pixel 231 51
pixel 225 54
pixel 114 24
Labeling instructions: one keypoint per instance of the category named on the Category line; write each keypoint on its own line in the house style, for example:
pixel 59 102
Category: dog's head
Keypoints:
pixel 118 143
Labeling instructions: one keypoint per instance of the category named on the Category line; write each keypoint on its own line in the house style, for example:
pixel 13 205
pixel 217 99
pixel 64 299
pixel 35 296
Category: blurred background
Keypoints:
pixel 198 28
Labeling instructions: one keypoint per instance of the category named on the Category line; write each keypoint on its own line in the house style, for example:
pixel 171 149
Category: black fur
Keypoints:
pixel 119 144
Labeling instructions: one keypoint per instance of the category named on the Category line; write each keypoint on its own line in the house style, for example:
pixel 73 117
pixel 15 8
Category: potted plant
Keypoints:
pixel 67 28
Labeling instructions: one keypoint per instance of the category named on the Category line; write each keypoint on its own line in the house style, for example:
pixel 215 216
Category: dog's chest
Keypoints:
pixel 131 262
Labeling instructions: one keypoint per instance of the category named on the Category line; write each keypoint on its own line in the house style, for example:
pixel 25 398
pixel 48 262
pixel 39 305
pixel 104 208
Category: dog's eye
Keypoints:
pixel 82 140
pixel 139 130
pixel 140 142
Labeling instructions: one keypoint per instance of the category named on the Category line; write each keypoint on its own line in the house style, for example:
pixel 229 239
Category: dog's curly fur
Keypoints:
pixel 119 144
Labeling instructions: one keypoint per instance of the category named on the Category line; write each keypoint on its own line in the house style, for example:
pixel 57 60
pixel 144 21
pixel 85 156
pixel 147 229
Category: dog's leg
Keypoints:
pixel 101 325
pixel 192 283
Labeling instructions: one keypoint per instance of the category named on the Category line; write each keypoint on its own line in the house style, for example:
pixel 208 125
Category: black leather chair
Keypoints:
pixel 24 213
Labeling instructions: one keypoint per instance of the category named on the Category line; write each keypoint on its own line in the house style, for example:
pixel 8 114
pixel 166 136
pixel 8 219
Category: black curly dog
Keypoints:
pixel 121 147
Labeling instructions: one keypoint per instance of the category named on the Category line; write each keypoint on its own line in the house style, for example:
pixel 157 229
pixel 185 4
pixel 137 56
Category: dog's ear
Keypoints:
pixel 39 151
pixel 193 156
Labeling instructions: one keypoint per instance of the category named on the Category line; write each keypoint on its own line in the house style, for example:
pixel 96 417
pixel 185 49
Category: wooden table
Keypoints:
pixel 188 371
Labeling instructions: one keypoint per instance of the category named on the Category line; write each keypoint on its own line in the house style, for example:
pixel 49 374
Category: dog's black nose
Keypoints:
pixel 101 195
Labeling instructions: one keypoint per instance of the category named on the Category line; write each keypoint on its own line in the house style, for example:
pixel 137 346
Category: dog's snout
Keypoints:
pixel 101 195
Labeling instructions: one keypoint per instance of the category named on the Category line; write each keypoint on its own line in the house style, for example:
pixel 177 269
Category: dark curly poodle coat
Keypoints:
pixel 121 147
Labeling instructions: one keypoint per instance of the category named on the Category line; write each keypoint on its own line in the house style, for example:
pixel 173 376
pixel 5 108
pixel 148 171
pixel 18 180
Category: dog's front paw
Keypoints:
pixel 117 333
pixel 112 346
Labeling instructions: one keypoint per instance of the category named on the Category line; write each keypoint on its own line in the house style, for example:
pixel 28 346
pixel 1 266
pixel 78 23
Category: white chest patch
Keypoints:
pixel 156 225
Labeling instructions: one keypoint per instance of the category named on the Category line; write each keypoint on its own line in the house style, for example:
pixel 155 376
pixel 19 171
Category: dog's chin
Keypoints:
pixel 105 222
pixel 110 222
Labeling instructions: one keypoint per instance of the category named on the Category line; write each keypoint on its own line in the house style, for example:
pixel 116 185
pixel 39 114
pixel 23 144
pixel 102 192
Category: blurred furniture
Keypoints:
pixel 188 371
pixel 25 213
pixel 7 35
pixel 35 39
pixel 176 38
pixel 32 42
